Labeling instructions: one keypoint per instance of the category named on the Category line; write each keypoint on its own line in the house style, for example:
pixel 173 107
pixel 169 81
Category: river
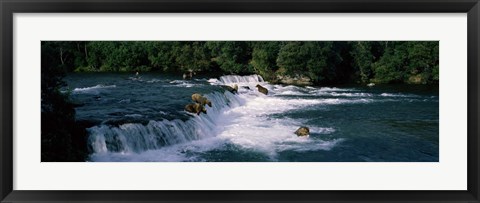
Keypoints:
pixel 142 119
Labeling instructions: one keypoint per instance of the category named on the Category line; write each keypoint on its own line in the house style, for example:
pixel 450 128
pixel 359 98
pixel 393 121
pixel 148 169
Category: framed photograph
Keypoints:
pixel 227 101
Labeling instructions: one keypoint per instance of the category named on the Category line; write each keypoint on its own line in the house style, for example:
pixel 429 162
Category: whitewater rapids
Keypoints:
pixel 244 121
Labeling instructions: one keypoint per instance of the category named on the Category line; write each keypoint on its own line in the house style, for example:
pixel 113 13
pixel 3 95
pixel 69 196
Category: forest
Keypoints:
pixel 321 62
pixel 318 62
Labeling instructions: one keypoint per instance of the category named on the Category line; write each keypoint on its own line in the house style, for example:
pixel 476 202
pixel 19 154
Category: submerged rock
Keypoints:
pixel 303 131
pixel 417 79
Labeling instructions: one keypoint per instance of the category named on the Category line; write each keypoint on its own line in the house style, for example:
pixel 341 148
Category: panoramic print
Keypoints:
pixel 239 101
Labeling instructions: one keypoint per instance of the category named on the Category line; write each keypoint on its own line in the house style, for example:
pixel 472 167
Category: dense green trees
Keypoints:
pixel 264 58
pixel 231 56
pixel 323 62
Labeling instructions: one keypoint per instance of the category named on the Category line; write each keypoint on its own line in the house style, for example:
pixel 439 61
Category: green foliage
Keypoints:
pixel 264 56
pixel 408 62
pixel 323 62
pixel 191 56
pixel 291 58
pixel 160 55
pixel 423 60
pixel 232 56
pixel 316 60
pixel 391 66
pixel 363 60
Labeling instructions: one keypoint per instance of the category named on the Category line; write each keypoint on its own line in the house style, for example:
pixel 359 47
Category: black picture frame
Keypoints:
pixel 9 7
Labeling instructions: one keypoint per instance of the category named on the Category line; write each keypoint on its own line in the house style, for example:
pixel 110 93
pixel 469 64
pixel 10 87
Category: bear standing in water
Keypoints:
pixel 262 89
pixel 233 90
pixel 201 100
pixel 303 131
pixel 195 108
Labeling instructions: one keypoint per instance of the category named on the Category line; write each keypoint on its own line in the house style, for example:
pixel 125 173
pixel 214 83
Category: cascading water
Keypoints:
pixel 133 137
pixel 228 119
pixel 150 124
pixel 235 79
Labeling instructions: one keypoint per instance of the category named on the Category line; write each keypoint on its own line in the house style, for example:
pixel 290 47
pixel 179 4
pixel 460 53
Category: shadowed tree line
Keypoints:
pixel 322 62
pixel 317 62
pixel 62 138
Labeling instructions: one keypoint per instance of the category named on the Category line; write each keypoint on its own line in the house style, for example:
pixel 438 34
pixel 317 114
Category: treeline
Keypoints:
pixel 323 62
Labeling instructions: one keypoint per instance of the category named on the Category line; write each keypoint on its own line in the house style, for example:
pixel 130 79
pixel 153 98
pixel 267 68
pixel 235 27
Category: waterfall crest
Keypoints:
pixel 233 79
pixel 134 137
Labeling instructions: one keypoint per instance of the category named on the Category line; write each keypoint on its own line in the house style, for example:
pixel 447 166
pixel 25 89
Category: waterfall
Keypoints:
pixel 134 137
pixel 233 79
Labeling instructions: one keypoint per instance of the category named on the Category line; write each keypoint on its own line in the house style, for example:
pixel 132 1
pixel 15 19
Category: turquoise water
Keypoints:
pixel 143 119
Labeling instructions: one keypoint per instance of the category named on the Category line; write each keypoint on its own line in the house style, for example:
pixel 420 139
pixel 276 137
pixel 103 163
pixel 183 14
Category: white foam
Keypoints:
pixel 251 127
pixel 175 153
pixel 154 81
pixel 236 79
pixel 93 89
pixel 398 95
pixel 130 137
pixel 343 94
pixel 335 89
pixel 293 93
pixel 244 120
pixel 134 115
pixel 182 83
pixel 213 81
pixel 321 130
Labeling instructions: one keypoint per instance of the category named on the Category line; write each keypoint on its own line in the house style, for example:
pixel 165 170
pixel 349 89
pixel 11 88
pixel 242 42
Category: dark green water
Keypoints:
pixel 142 119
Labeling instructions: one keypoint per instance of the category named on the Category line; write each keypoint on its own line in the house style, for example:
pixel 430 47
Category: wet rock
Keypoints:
pixel 297 80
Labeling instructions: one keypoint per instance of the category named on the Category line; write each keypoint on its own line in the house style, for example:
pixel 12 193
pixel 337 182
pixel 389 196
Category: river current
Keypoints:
pixel 142 119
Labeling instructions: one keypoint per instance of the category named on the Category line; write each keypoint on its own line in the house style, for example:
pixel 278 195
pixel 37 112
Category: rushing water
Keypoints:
pixel 143 119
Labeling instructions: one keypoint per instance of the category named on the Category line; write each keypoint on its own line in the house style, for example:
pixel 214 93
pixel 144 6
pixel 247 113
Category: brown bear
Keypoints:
pixel 195 108
pixel 262 89
pixel 302 131
pixel 201 100
pixel 233 89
